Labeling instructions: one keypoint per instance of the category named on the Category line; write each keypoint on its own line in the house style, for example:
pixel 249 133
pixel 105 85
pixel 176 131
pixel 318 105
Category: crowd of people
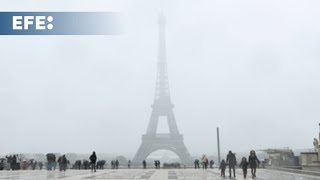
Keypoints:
pixel 63 163
pixel 19 162
pixel 114 164
pixel 157 164
pixel 231 162
pixel 16 162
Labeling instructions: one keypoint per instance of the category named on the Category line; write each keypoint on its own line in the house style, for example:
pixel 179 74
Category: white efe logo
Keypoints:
pixel 23 22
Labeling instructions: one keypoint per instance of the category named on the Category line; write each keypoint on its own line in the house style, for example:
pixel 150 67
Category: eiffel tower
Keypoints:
pixel 162 107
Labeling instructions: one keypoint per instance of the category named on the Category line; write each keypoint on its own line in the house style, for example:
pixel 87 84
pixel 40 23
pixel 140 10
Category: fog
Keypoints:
pixel 249 67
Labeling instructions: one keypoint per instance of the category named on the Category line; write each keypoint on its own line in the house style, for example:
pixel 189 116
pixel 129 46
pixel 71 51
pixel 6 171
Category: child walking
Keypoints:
pixel 244 165
pixel 222 167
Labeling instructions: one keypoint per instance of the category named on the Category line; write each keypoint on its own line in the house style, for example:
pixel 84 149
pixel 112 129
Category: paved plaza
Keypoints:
pixel 125 174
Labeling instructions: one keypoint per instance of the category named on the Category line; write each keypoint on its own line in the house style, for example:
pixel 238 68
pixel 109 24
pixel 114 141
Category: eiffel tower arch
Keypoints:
pixel 162 107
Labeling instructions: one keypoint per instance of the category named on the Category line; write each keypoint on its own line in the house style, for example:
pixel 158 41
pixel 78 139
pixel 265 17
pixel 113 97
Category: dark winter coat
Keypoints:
pixel 253 160
pixel 223 165
pixel 93 158
pixel 244 164
pixel 231 159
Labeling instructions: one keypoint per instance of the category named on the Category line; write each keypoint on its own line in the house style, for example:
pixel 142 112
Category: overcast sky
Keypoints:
pixel 250 67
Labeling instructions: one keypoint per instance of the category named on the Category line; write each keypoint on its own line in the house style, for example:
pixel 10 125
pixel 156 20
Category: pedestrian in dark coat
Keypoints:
pixel 196 164
pixel 117 164
pixel 244 165
pixel 51 161
pixel 78 164
pixel 144 164
pixel 211 164
pixel 14 162
pixel 100 164
pixel 156 164
pixel 232 162
pixel 85 164
pixel 1 164
pixel 40 165
pixel 129 164
pixel 63 163
pixel 253 162
pixel 223 166
pixel 93 159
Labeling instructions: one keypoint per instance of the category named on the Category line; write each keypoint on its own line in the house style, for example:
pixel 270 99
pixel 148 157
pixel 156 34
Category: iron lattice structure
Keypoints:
pixel 162 107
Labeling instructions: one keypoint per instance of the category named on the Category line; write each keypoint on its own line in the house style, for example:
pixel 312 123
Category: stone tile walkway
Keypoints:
pixel 151 174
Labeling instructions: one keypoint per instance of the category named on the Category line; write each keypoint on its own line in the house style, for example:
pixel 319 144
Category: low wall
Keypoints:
pixel 308 158
pixel 305 172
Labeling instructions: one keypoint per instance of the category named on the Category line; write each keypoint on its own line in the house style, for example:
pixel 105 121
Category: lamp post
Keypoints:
pixel 218 143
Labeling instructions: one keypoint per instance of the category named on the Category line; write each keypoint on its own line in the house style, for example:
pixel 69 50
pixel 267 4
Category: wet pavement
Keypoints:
pixel 152 174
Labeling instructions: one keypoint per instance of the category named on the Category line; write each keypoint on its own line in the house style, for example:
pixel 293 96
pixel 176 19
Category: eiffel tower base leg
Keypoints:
pixel 151 144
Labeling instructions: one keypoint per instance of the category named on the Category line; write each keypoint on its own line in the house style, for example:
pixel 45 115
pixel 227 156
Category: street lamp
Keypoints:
pixel 218 143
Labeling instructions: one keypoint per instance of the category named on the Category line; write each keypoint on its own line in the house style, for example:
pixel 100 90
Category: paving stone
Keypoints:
pixel 142 174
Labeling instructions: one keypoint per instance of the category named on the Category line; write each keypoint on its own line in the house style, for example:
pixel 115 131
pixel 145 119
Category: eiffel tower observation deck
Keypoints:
pixel 162 107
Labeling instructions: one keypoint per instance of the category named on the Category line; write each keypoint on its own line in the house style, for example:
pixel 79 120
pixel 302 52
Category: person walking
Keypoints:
pixel 156 164
pixel 9 160
pixel 144 164
pixel 78 164
pixel 223 166
pixel 1 164
pixel 244 165
pixel 253 162
pixel 59 161
pixel 117 164
pixel 197 164
pixel 205 162
pixel 211 164
pixel 51 161
pixel 14 162
pixel 93 159
pixel 232 162
pixel 54 162
pixel 64 163
pixel 40 165
pixel 85 164
pixel 62 160
pixel 129 164
pixel 112 164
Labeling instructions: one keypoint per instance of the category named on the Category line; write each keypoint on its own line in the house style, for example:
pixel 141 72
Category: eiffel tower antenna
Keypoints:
pixel 161 7
pixel 162 83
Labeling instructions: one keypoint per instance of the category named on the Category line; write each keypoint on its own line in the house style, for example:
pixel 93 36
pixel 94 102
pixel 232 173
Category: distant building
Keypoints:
pixel 280 157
